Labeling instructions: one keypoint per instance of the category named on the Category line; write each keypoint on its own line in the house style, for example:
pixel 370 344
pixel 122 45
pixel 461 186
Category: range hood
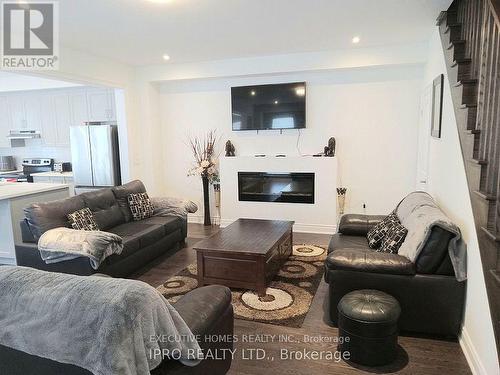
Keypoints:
pixel 23 134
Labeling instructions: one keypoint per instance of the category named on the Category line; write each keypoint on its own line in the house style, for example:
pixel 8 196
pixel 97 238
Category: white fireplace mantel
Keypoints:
pixel 320 217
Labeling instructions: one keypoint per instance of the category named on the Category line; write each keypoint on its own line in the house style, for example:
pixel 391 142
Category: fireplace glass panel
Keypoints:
pixel 276 187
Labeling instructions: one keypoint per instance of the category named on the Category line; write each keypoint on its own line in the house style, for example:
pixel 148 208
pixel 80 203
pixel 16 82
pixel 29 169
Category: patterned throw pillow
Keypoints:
pixel 378 232
pixel 393 239
pixel 140 206
pixel 83 220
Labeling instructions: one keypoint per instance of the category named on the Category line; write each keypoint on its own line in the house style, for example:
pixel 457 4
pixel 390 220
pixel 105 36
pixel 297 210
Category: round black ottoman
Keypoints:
pixel 368 326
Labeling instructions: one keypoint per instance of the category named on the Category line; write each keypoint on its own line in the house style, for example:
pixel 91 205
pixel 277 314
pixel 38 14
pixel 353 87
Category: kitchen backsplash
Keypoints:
pixel 59 154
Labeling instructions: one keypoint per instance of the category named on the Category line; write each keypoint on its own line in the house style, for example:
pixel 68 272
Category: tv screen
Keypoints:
pixel 269 107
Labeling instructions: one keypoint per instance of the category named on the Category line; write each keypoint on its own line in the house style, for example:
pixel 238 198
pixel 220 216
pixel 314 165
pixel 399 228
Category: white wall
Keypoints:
pixel 372 111
pixel 18 82
pixel 448 185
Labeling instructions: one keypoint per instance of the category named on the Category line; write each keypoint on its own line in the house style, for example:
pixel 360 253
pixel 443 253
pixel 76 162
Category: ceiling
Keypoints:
pixel 139 32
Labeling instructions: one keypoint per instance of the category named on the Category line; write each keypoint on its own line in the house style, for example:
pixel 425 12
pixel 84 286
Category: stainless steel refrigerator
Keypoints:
pixel 95 156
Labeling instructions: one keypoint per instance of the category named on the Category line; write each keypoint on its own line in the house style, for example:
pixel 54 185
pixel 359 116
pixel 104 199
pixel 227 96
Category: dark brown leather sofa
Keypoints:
pixel 207 311
pixel 143 240
pixel 431 299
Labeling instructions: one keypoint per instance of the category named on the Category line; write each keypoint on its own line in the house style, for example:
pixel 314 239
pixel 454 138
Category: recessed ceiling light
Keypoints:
pixel 276 102
pixel 252 92
pixel 356 39
pixel 300 91
pixel 166 57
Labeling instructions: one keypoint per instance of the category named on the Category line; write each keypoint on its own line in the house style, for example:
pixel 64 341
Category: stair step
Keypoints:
pixel 486 196
pixel 473 131
pixel 468 105
pixel 472 81
pixel 461 61
pixel 478 161
pixel 492 235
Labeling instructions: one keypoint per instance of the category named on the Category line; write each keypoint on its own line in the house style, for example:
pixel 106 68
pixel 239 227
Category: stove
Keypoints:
pixel 29 166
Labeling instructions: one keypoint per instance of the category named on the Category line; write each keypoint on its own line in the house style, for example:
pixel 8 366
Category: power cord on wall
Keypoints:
pixel 297 145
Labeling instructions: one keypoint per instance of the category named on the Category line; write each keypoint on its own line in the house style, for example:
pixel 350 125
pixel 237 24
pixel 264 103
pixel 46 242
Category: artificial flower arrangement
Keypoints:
pixel 203 150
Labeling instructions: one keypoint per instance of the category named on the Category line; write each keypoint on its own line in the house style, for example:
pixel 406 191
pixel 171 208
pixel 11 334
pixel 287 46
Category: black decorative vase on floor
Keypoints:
pixel 206 201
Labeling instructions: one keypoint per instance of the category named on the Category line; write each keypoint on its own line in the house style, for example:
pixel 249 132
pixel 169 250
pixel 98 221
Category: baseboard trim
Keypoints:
pixel 470 353
pixel 199 219
pixel 298 227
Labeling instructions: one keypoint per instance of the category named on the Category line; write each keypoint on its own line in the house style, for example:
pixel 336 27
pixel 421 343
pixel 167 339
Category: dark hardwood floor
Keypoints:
pixel 417 355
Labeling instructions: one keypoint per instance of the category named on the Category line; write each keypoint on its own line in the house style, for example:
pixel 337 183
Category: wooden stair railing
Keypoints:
pixel 470 35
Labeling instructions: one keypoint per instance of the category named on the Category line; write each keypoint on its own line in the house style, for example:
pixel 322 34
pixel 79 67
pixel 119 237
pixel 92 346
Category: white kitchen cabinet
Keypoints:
pixel 53 112
pixel 48 121
pixel 5 121
pixel 63 118
pixel 17 112
pixel 101 105
pixel 33 111
pixel 79 108
pixel 55 178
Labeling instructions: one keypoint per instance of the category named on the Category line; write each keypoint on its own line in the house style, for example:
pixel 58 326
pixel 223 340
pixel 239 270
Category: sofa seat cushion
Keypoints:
pixel 104 207
pixel 367 260
pixel 49 215
pixel 170 223
pixel 147 234
pixel 342 241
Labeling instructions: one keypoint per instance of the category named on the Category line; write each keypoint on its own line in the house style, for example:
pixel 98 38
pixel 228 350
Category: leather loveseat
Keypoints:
pixel 431 298
pixel 208 313
pixel 143 240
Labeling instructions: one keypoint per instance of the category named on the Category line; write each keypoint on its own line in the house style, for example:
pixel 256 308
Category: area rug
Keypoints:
pixel 288 297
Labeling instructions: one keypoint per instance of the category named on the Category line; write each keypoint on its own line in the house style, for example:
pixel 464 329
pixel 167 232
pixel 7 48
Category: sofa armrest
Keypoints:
pixel 201 308
pixel 358 225
pixel 369 261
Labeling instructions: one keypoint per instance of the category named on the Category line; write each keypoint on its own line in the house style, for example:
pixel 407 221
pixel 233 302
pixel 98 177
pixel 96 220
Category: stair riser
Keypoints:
pixel 473 175
pixel 458 51
pixel 469 93
pixel 471 117
pixel 482 207
pixel 455 33
pixel 469 145
pixel 451 18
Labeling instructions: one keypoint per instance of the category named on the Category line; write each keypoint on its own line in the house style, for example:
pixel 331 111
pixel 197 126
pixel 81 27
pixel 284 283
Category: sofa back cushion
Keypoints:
pixel 121 193
pixel 105 208
pixel 434 257
pixel 432 237
pixel 44 216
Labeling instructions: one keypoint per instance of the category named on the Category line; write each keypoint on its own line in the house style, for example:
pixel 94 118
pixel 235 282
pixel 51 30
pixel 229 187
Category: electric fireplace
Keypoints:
pixel 276 187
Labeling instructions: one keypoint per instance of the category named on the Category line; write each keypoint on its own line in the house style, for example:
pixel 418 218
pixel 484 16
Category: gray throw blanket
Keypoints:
pixel 105 325
pixel 167 206
pixel 419 213
pixel 60 244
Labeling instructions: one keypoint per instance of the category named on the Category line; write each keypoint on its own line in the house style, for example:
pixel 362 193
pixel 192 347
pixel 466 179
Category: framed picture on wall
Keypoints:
pixel 437 106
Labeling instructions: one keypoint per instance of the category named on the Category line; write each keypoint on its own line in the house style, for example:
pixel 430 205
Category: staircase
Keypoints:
pixel 470 35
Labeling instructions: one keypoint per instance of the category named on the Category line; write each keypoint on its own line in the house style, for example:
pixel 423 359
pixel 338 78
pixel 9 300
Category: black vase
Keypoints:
pixel 206 200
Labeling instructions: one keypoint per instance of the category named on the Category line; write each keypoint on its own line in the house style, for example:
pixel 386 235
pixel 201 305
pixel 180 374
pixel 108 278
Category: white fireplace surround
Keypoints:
pixel 320 217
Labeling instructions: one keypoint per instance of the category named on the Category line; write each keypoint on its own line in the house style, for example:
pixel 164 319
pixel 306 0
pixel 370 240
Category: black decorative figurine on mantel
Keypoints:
pixel 230 150
pixel 330 149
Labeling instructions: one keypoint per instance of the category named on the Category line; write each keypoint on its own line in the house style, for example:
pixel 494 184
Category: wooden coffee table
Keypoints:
pixel 246 254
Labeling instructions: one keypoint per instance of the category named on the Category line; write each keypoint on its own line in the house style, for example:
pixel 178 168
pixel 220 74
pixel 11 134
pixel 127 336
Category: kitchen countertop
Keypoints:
pixel 10 172
pixel 52 174
pixel 17 189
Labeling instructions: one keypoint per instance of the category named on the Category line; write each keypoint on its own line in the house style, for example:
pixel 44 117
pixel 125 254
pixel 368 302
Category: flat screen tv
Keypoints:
pixel 269 107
